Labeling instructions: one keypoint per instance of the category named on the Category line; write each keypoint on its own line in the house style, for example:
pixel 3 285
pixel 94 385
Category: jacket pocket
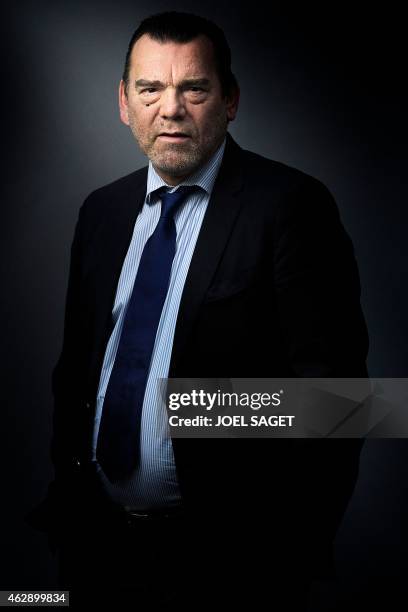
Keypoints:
pixel 228 287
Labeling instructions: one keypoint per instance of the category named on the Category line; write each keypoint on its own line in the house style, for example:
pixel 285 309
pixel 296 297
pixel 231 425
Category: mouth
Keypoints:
pixel 173 136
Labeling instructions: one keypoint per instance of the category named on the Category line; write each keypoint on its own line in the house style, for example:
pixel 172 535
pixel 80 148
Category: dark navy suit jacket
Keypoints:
pixel 273 290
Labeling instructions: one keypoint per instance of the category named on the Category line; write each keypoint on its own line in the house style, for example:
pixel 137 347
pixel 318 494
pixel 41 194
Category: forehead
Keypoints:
pixel 151 59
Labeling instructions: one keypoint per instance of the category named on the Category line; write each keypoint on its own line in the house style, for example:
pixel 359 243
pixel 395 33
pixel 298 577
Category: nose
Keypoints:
pixel 171 104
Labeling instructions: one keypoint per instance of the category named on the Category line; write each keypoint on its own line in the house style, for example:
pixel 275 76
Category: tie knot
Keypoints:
pixel 170 202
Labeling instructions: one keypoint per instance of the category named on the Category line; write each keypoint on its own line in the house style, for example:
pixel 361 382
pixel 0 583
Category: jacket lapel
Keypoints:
pixel 116 236
pixel 222 210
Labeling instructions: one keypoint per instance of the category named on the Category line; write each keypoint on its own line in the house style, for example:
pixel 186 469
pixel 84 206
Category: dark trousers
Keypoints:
pixel 166 563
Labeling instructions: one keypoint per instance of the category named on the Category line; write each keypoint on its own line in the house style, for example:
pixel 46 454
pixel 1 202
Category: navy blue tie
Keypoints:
pixel 118 447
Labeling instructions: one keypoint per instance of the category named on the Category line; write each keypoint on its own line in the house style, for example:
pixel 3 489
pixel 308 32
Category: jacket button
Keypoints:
pixel 77 462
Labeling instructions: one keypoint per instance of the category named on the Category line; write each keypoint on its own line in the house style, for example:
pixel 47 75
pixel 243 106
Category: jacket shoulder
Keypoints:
pixel 278 176
pixel 109 199
pixel 294 193
pixel 116 189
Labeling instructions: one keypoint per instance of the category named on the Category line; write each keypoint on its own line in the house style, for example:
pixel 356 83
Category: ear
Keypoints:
pixel 123 103
pixel 232 104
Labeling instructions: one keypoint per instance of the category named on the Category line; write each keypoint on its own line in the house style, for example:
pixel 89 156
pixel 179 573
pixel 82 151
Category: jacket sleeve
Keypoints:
pixel 318 296
pixel 318 286
pixel 68 375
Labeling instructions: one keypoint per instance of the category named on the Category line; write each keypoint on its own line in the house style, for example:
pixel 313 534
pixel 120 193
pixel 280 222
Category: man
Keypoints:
pixel 211 262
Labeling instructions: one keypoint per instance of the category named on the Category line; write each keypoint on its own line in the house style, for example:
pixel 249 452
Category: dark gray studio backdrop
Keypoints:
pixel 321 91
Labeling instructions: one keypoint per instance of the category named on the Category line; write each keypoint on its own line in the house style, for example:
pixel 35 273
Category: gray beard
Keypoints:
pixel 187 164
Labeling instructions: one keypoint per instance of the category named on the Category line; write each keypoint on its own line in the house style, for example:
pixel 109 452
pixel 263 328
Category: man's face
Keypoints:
pixel 175 107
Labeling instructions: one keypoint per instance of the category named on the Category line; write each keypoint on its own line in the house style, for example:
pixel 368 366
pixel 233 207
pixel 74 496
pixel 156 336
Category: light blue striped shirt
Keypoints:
pixel 154 483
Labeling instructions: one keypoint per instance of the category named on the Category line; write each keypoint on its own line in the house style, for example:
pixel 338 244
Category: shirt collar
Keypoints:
pixel 204 177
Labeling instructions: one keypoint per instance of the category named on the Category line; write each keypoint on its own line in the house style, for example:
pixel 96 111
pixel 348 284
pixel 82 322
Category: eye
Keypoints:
pixel 149 90
pixel 195 89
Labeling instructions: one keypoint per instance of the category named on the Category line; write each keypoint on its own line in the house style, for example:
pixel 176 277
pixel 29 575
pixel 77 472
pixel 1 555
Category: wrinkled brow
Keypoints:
pixel 185 83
